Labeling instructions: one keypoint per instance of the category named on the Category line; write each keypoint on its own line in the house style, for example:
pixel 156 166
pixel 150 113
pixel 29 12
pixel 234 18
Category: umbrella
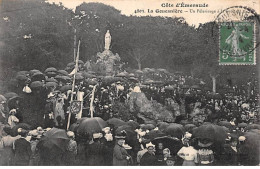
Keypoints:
pixel 175 130
pixel 210 131
pixel 189 127
pixel 51 80
pixel 133 79
pixel 51 84
pixel 65 88
pixel 71 64
pixel 31 72
pixel 145 127
pixel 50 69
pixel 242 125
pixel 122 74
pixel 22 77
pixel 253 126
pixel 252 146
pixel 38 76
pixel 88 126
pixel 162 125
pixel 51 74
pixel 116 122
pixel 10 95
pixel 226 124
pixel 12 101
pixel 185 87
pixel 63 72
pixel 55 137
pixel 79 76
pixel 62 78
pixel 133 124
pixel 139 71
pixel 24 126
pixel 174 144
pixel 153 134
pixel 36 84
pixel 2 98
pixel 80 62
pixel 131 75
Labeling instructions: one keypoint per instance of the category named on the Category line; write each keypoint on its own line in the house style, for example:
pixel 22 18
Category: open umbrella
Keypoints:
pixel 50 69
pixel 51 74
pixel 22 77
pixel 189 127
pixel 175 130
pixel 71 64
pixel 24 126
pixel 10 95
pixel 65 88
pixel 88 75
pixel 62 78
pixel 139 72
pixel 145 127
pixel 51 80
pixel 133 124
pixel 122 74
pixel 51 84
pixel 36 84
pixel 38 76
pixel 252 146
pixel 31 72
pixel 242 125
pixel 174 144
pixel 210 131
pixel 63 72
pixel 162 125
pixel 253 126
pixel 88 126
pixel 153 134
pixel 116 122
pixel 91 72
pixel 55 137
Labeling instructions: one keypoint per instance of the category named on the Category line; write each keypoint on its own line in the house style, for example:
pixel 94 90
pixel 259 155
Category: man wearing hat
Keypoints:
pixel 149 158
pixel 120 155
pixel 22 150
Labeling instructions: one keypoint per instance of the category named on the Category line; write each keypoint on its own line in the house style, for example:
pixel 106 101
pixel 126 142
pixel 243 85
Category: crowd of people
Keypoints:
pixel 127 140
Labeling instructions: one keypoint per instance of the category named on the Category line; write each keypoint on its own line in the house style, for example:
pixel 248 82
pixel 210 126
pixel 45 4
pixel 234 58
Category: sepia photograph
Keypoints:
pixel 129 83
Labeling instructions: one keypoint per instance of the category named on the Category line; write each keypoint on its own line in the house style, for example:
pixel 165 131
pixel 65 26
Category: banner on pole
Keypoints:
pixel 75 107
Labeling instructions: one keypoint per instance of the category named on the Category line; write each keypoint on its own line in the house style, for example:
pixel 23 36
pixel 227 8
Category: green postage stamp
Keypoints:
pixel 237 43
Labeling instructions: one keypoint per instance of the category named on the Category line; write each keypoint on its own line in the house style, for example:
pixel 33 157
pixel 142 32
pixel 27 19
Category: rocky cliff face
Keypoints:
pixel 149 110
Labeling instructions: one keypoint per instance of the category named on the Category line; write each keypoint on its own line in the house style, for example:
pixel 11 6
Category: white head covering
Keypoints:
pixel 70 134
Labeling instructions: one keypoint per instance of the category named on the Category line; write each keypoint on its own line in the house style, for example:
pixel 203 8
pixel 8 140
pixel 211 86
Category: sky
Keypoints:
pixel 128 7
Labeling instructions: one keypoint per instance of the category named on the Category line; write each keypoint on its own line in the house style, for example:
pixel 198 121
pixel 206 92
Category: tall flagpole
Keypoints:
pixel 73 85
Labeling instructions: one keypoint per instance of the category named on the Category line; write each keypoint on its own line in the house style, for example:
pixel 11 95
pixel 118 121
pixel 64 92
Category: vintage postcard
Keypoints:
pixel 129 82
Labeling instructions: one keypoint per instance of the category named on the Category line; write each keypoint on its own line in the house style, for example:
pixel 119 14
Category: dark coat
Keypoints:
pixel 148 160
pixel 95 154
pixel 22 152
pixel 119 156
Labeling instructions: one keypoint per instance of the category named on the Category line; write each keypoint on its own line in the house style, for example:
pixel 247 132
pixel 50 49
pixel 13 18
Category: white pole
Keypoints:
pixel 73 85
pixel 92 100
